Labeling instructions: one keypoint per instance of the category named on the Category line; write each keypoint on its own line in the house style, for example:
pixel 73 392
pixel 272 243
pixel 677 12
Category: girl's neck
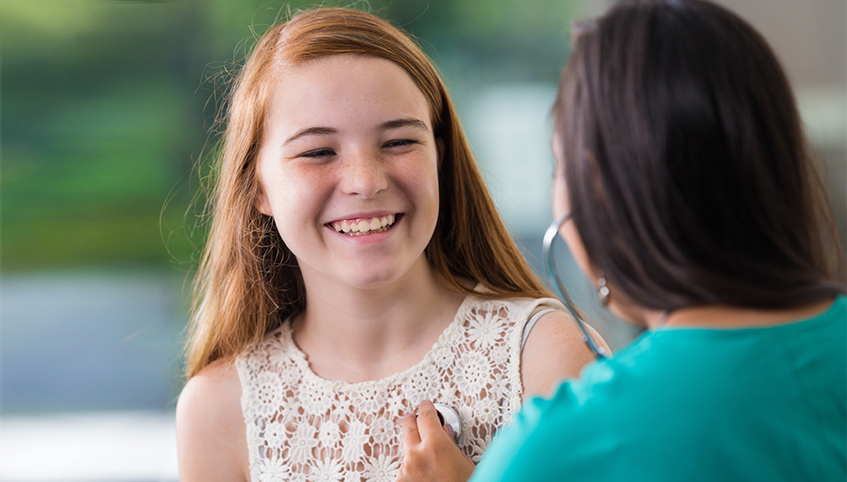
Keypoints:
pixel 355 334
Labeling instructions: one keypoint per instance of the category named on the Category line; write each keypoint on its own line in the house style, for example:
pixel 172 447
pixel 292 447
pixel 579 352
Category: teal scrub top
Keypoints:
pixel 682 404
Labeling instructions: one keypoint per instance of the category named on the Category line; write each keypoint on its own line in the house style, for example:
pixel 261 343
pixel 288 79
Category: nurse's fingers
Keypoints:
pixel 429 425
pixel 409 431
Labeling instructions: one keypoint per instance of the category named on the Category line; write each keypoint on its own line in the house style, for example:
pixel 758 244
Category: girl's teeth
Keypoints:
pixel 364 226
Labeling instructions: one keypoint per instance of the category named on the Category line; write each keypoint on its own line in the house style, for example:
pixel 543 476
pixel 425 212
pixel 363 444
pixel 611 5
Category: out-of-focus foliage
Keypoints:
pixel 99 123
pixel 107 106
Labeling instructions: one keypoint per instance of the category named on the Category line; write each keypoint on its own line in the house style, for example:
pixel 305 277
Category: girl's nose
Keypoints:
pixel 363 175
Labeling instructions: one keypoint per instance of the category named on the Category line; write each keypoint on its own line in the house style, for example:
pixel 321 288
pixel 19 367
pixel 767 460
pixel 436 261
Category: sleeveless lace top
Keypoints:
pixel 302 427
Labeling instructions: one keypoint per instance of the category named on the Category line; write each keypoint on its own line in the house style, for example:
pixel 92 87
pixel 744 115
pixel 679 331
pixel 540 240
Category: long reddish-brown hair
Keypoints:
pixel 248 281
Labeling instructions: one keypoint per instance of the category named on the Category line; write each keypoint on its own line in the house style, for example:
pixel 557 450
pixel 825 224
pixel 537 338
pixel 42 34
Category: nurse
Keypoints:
pixel 685 190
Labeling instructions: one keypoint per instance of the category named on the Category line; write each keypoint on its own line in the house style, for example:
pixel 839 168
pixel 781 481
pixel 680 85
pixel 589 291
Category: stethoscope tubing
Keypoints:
pixel 559 288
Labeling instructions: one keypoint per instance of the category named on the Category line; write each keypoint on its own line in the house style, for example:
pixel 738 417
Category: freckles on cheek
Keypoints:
pixel 431 183
pixel 416 176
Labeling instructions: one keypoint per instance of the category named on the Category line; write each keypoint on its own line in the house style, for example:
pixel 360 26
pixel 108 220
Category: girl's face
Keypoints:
pixel 348 168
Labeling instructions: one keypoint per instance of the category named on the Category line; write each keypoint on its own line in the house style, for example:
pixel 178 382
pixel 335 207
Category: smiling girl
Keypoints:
pixel 355 267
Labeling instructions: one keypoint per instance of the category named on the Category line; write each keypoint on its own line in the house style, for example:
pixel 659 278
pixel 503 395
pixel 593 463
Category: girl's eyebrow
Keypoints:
pixel 404 122
pixel 387 125
pixel 311 131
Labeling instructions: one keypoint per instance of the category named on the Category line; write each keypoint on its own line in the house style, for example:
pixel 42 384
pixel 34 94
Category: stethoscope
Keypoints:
pixel 547 248
pixel 447 415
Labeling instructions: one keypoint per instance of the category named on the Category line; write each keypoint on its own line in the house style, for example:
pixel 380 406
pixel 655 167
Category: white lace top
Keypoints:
pixel 302 427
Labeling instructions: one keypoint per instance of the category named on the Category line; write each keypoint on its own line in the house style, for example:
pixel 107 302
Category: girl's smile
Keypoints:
pixel 360 226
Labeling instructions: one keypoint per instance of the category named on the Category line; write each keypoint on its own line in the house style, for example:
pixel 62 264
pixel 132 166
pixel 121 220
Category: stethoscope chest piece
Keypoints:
pixel 449 416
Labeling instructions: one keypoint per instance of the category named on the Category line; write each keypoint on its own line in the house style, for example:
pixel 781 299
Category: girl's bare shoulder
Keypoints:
pixel 210 429
pixel 554 352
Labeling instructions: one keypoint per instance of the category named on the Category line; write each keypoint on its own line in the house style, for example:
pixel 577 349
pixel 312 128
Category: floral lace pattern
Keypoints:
pixel 302 427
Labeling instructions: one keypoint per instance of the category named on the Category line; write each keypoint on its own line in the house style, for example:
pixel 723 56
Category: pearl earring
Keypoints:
pixel 603 291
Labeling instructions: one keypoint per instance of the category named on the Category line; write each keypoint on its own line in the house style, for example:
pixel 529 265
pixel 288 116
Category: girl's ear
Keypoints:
pixel 261 202
pixel 439 145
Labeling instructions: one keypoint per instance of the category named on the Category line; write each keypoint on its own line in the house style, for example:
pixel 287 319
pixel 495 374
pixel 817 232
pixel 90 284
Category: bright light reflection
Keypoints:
pixel 89 447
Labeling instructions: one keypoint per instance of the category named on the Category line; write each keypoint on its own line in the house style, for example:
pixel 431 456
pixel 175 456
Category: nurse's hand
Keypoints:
pixel 430 454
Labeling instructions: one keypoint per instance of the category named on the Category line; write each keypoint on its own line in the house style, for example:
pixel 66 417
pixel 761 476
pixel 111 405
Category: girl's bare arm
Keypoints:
pixel 210 431
pixel 554 351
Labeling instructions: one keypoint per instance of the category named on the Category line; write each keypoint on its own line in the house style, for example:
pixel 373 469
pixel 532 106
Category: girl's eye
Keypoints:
pixel 400 143
pixel 318 153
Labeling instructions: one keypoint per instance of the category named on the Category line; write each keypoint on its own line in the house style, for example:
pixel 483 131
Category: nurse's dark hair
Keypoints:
pixel 687 170
pixel 248 281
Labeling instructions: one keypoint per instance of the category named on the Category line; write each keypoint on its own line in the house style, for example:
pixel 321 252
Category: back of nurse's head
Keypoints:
pixel 686 167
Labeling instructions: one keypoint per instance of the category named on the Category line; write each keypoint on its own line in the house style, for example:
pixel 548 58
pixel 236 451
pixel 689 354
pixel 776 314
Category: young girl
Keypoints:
pixel 355 267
